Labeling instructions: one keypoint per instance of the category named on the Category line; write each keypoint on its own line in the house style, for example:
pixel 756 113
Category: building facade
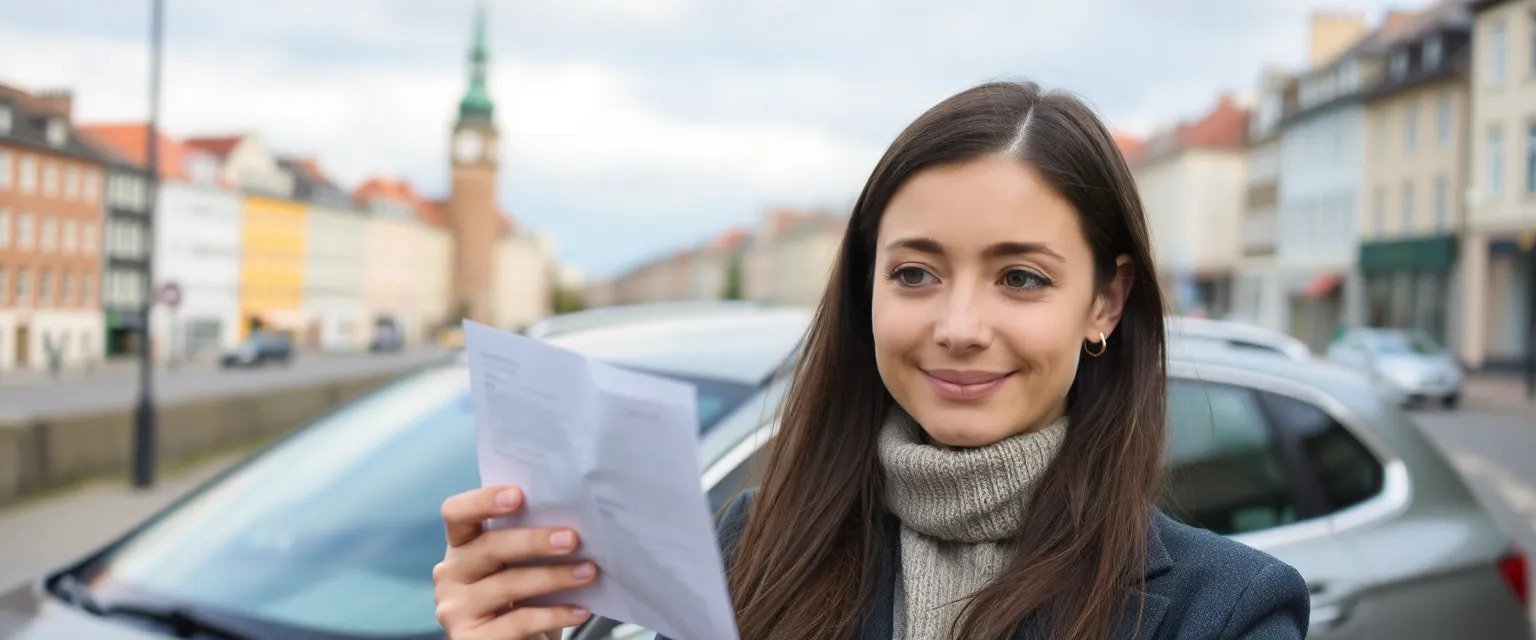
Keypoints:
pixel 1498 247
pixel 272 239
pixel 407 261
pixel 1416 154
pixel 334 258
pixel 525 281
pixel 125 241
pixel 196 243
pixel 1191 180
pixel 1258 292
pixel 52 197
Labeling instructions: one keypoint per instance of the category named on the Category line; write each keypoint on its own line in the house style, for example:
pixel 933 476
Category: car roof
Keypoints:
pixel 1191 360
pixel 744 347
pixel 1181 329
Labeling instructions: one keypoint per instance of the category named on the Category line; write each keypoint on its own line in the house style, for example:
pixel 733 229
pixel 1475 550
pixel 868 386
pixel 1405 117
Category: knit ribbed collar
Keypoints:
pixel 972 495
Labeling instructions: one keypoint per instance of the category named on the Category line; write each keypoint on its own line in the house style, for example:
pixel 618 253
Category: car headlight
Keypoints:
pixel 1400 377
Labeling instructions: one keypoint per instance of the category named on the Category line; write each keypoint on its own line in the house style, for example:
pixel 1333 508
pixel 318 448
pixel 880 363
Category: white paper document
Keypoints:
pixel 612 454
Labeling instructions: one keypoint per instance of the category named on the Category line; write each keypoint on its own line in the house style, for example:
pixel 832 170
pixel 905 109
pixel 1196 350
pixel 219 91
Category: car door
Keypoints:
pixel 1232 470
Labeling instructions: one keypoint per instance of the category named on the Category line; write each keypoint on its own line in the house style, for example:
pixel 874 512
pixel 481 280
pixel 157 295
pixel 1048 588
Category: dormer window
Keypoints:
pixel 1399 65
pixel 5 119
pixel 1432 52
pixel 58 132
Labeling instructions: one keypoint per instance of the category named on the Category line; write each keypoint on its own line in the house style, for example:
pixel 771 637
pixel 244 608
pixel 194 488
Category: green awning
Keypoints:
pixel 1435 253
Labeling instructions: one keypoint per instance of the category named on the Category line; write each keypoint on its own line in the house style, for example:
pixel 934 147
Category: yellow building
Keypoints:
pixel 272 264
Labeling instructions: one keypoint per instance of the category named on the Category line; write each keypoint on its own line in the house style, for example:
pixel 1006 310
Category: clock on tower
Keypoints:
pixel 474 220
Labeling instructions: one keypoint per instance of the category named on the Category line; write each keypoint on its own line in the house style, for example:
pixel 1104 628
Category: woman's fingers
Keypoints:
pixel 465 513
pixel 528 622
pixel 492 551
pixel 512 586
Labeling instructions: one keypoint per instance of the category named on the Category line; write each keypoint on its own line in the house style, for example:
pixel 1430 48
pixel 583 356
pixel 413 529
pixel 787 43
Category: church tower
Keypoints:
pixel 473 216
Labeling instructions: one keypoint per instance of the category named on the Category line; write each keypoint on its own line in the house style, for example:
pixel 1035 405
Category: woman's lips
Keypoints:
pixel 964 386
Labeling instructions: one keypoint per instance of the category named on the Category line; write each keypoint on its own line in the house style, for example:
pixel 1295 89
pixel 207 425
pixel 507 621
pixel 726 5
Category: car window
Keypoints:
pixel 1224 471
pixel 1346 471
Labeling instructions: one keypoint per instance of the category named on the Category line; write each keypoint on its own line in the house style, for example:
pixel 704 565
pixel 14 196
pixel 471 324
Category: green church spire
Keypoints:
pixel 476 105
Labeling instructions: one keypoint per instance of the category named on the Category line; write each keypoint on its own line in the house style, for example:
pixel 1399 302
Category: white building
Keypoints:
pixel 1191 181
pixel 334 260
pixel 407 260
pixel 1258 294
pixel 196 244
pixel 525 280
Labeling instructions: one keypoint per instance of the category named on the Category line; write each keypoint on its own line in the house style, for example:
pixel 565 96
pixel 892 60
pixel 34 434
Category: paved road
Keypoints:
pixel 19 401
pixel 1495 450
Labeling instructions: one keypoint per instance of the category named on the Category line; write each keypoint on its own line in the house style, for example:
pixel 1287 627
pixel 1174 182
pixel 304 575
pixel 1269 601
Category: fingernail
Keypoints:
pixel 562 540
pixel 582 571
pixel 507 499
pixel 578 612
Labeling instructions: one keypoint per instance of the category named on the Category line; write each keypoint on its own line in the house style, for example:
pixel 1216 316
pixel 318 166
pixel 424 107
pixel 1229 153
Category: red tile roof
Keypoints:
pixel 1225 125
pixel 432 212
pixel 311 168
pixel 1130 145
pixel 218 146
pixel 127 140
pixel 729 240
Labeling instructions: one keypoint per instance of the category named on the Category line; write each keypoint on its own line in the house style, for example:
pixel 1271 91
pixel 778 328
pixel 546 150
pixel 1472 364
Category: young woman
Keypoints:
pixel 972 441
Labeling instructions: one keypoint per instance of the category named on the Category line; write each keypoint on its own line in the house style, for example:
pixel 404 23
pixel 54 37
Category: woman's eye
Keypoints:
pixel 912 276
pixel 1022 279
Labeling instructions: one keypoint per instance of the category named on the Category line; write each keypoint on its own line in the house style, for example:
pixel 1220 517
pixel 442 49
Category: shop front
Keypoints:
pixel 1408 284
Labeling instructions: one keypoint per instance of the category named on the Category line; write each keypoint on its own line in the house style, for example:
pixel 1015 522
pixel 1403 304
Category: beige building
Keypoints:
pixel 1258 294
pixel 407 259
pixel 525 281
pixel 790 259
pixel 1415 158
pixel 1191 180
pixel 1497 247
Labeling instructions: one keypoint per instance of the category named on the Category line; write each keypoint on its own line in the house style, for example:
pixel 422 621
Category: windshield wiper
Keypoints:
pixel 180 621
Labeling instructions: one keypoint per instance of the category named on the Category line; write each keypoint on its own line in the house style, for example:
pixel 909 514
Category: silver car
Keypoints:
pixel 332 533
pixel 1409 367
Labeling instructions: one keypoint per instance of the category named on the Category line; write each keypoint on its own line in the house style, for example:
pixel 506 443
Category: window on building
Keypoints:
pixel 25 232
pixel 1432 52
pixel 1380 211
pixel 71 182
pixel 66 292
pixel 6 117
pixel 1411 127
pixel 57 132
pixel 23 286
pixel 5 170
pixel 71 240
pixel 1399 65
pixel 45 287
pixel 48 235
pixel 86 287
pixel 88 238
pixel 5 228
pixel 50 179
pixel 1498 36
pixel 1443 115
pixel 1495 177
pixel 5 286
pixel 1442 204
pixel 26 174
pixel 1530 158
pixel 91 187
pixel 1408 208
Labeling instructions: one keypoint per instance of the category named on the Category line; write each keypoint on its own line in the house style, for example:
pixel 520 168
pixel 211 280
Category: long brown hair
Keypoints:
pixel 810 558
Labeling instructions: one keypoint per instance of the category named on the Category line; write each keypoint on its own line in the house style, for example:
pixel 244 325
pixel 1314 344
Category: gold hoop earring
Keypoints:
pixel 1103 345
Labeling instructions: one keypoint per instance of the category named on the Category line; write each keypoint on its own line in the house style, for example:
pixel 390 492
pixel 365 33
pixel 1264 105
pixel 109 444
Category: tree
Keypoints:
pixel 566 300
pixel 733 278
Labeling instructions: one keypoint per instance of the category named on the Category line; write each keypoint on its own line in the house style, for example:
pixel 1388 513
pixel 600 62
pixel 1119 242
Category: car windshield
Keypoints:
pixel 1406 343
pixel 333 532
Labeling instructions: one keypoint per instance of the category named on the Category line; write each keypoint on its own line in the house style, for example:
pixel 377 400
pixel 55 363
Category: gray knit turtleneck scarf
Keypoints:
pixel 959 509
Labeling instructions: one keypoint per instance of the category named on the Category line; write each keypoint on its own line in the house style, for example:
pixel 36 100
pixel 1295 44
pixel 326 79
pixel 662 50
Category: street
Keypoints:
pixel 119 388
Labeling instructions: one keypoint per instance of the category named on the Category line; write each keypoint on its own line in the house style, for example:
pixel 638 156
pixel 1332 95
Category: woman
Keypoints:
pixel 972 442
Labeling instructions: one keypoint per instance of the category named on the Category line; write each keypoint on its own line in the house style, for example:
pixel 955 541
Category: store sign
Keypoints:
pixel 1421 254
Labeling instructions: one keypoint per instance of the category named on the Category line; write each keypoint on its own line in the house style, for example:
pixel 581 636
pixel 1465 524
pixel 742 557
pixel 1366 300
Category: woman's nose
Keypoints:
pixel 962 326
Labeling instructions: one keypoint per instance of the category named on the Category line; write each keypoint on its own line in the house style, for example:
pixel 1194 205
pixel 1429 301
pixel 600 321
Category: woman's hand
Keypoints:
pixel 478 596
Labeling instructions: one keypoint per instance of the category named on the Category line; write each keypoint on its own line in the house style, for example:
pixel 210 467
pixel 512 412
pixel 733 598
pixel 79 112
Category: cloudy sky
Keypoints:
pixel 631 128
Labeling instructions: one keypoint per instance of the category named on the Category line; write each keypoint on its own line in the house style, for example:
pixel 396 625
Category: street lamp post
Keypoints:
pixel 144 412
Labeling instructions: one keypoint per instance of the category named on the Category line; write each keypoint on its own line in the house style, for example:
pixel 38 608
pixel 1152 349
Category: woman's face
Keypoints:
pixel 984 294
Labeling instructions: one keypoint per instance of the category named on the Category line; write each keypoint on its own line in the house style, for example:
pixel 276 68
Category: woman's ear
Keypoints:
pixel 1109 305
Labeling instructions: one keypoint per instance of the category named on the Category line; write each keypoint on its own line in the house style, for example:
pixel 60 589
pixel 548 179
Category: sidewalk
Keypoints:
pixel 40 534
pixel 112 369
pixel 1497 391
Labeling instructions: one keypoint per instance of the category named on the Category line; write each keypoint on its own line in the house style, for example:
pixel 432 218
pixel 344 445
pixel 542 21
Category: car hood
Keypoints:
pixel 27 614
pixel 1416 364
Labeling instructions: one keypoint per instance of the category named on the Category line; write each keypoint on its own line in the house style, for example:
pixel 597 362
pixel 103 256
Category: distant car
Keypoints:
pixel 1408 366
pixel 260 349
pixel 1237 335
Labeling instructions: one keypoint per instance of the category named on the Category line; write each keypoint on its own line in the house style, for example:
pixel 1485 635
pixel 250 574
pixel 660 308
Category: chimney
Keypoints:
pixel 1333 34
pixel 1395 20
pixel 55 102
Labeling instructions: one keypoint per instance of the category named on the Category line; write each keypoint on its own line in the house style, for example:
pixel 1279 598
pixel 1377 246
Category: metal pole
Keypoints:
pixel 144 413
pixel 1530 322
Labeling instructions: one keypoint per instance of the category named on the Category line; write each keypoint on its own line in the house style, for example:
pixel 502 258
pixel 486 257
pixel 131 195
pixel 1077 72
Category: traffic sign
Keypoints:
pixel 170 294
